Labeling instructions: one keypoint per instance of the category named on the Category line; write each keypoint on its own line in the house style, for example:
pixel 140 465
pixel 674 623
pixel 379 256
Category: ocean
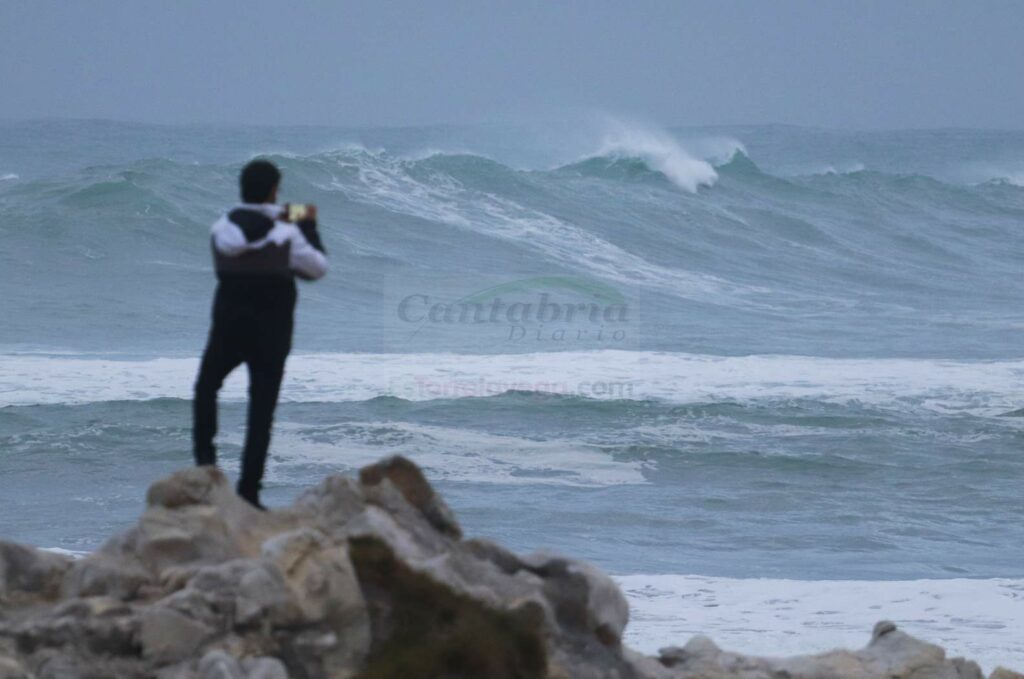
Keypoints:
pixel 769 377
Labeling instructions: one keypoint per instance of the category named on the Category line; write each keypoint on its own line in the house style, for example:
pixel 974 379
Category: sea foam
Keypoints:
pixel 978 619
pixel 944 386
pixel 661 152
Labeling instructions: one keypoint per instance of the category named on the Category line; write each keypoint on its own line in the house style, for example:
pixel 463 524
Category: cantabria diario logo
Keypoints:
pixel 545 309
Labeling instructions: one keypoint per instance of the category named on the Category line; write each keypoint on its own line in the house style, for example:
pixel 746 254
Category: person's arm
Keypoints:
pixel 312 235
pixel 228 238
pixel 308 257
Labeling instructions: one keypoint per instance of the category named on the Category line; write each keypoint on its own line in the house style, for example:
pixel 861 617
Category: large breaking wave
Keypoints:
pixel 879 262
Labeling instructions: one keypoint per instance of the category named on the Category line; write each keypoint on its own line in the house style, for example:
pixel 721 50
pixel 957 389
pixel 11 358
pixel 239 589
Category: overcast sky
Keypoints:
pixel 864 64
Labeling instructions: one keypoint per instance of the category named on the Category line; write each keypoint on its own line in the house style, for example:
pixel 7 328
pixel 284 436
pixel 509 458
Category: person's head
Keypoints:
pixel 259 181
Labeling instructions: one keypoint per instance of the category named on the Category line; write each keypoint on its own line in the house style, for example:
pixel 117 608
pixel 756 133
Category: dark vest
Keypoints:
pixel 256 282
pixel 271 260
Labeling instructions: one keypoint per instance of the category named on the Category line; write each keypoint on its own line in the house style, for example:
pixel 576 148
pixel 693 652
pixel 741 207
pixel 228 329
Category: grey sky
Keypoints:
pixel 833 64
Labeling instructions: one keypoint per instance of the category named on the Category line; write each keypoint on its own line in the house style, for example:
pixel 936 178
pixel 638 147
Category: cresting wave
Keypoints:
pixel 978 387
pixel 661 153
pixel 447 189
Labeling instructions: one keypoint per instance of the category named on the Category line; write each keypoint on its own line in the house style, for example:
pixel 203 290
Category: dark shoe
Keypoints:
pixel 252 497
pixel 255 503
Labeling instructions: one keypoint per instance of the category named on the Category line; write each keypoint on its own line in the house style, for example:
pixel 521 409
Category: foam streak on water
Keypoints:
pixel 982 387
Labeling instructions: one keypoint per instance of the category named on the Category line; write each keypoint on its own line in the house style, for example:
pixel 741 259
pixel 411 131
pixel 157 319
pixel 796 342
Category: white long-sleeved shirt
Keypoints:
pixel 231 241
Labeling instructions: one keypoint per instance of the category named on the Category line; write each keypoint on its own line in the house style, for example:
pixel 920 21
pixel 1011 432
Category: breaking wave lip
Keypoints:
pixel 10 176
pixel 658 151
pixel 984 388
pixel 975 618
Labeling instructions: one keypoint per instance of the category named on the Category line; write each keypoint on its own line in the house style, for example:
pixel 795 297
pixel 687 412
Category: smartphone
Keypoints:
pixel 297 212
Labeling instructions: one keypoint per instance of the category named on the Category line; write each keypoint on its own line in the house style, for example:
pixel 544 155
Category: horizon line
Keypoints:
pixel 481 124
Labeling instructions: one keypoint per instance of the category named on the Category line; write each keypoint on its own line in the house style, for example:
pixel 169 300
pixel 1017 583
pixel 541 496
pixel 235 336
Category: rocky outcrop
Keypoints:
pixel 367 578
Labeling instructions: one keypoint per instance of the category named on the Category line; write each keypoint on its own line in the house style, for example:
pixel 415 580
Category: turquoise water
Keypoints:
pixel 803 362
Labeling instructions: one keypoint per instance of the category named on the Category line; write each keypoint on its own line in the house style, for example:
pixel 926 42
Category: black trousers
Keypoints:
pixel 262 341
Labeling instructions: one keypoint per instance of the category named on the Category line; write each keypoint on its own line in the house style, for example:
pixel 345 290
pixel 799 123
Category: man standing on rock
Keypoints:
pixel 259 248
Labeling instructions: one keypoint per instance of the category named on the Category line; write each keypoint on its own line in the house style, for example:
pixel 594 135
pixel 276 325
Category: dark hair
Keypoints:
pixel 258 180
